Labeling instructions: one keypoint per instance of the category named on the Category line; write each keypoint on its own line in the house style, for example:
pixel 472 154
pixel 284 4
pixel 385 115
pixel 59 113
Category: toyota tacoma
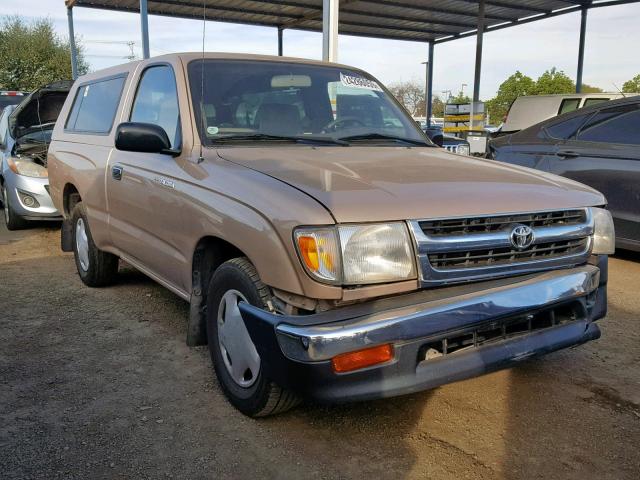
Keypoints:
pixel 327 249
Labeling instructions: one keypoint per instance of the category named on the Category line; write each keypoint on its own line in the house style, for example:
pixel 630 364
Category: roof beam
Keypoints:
pixel 448 11
pixel 376 26
pixel 513 23
pixel 520 6
pixel 364 13
pixel 406 18
pixel 315 15
pixel 213 8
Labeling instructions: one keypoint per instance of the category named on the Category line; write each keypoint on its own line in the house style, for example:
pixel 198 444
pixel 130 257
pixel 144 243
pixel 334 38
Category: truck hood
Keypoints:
pixel 40 109
pixel 368 184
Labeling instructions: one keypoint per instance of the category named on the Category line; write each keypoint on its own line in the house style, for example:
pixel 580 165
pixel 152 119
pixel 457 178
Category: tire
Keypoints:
pixel 13 221
pixel 253 393
pixel 95 267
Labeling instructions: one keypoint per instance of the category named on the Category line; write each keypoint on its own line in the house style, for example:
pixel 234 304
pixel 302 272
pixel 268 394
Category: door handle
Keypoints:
pixel 116 172
pixel 567 154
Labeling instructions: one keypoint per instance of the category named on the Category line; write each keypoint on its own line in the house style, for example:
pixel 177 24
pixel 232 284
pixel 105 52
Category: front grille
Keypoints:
pixel 473 248
pixel 498 330
pixel 501 256
pixel 461 226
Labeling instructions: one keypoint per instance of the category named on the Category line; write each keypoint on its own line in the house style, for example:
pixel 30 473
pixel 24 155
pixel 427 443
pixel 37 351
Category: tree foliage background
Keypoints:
pixel 552 81
pixel 632 86
pixel 411 95
pixel 32 54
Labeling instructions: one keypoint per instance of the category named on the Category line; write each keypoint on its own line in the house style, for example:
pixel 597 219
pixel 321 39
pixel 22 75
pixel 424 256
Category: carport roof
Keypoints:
pixel 417 20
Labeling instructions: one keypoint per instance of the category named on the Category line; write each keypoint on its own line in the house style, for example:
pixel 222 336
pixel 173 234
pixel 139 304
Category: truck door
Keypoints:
pixel 146 221
pixel 605 155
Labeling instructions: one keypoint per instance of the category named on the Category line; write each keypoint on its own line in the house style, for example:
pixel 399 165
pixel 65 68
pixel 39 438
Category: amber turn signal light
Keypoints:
pixel 309 251
pixel 348 362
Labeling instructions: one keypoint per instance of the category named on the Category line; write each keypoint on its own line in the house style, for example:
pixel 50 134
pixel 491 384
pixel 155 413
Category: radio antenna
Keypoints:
pixel 202 118
pixel 619 91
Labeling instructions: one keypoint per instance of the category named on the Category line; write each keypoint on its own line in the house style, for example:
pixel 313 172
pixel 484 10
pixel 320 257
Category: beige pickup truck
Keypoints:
pixel 327 249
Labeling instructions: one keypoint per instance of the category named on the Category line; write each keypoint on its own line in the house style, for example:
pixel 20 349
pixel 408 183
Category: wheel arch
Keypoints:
pixel 70 198
pixel 209 253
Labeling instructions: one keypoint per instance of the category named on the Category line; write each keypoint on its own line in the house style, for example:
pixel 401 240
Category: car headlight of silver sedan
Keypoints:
pixel 27 168
pixel 357 254
pixel 604 235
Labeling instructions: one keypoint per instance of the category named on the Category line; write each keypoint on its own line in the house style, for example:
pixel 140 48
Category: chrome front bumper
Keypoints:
pixel 297 349
pixel 322 342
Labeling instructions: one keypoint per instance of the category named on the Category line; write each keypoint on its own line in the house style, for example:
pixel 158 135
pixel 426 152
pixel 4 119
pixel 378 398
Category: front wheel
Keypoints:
pixel 13 221
pixel 234 356
pixel 95 267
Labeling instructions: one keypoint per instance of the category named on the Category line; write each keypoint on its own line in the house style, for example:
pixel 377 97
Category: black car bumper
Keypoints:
pixel 438 336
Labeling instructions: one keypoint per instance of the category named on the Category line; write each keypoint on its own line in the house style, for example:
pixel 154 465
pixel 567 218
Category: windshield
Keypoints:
pixel 265 101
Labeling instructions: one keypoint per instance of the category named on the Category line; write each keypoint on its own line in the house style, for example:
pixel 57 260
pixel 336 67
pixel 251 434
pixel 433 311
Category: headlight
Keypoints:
pixel 27 168
pixel 604 235
pixel 463 150
pixel 361 254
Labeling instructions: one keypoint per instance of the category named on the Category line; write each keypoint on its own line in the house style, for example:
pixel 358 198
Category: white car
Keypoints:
pixel 528 110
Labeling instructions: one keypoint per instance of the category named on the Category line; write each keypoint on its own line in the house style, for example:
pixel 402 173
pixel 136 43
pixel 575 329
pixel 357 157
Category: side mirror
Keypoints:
pixel 143 137
pixel 435 136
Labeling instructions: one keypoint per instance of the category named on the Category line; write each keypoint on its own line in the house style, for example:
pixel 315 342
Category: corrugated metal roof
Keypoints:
pixel 418 20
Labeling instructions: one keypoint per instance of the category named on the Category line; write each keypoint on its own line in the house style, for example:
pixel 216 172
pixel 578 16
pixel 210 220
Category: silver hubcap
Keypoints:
pixel 82 245
pixel 238 351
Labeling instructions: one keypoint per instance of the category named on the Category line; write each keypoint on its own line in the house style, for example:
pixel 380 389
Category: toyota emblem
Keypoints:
pixel 521 237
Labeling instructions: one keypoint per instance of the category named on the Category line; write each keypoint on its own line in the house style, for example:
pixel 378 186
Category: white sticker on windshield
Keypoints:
pixel 212 130
pixel 359 82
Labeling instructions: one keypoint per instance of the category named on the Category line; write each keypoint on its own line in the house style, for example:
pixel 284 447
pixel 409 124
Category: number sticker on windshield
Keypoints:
pixel 359 82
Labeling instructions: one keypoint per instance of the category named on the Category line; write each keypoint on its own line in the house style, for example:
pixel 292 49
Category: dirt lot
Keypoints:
pixel 100 384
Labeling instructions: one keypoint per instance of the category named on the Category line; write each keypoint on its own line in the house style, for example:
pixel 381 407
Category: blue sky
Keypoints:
pixel 610 57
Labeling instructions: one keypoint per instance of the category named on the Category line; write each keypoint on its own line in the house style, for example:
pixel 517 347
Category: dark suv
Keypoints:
pixel 598 146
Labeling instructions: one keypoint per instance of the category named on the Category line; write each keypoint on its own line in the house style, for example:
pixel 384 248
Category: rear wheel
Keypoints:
pixel 95 267
pixel 235 358
pixel 13 221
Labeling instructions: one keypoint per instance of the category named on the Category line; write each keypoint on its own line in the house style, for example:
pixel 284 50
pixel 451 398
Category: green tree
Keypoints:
pixel 514 86
pixel 586 88
pixel 32 54
pixel 632 86
pixel 437 107
pixel 554 81
pixel 460 99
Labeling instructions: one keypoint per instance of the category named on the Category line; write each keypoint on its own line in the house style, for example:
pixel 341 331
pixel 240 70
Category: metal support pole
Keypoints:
pixel 480 35
pixel 144 28
pixel 478 67
pixel 280 29
pixel 429 91
pixel 72 45
pixel 583 32
pixel 330 30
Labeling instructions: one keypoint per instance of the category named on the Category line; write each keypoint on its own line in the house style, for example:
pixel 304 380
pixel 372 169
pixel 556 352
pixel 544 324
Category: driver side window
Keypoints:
pixel 156 102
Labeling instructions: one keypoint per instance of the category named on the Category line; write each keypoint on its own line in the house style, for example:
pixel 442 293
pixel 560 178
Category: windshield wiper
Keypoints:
pixel 290 138
pixel 382 136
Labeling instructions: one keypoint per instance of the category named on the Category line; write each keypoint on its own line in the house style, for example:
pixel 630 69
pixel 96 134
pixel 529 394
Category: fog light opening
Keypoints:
pixel 28 200
pixel 348 362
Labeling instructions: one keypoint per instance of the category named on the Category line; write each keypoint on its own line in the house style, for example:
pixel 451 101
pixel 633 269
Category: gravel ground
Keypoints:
pixel 98 383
